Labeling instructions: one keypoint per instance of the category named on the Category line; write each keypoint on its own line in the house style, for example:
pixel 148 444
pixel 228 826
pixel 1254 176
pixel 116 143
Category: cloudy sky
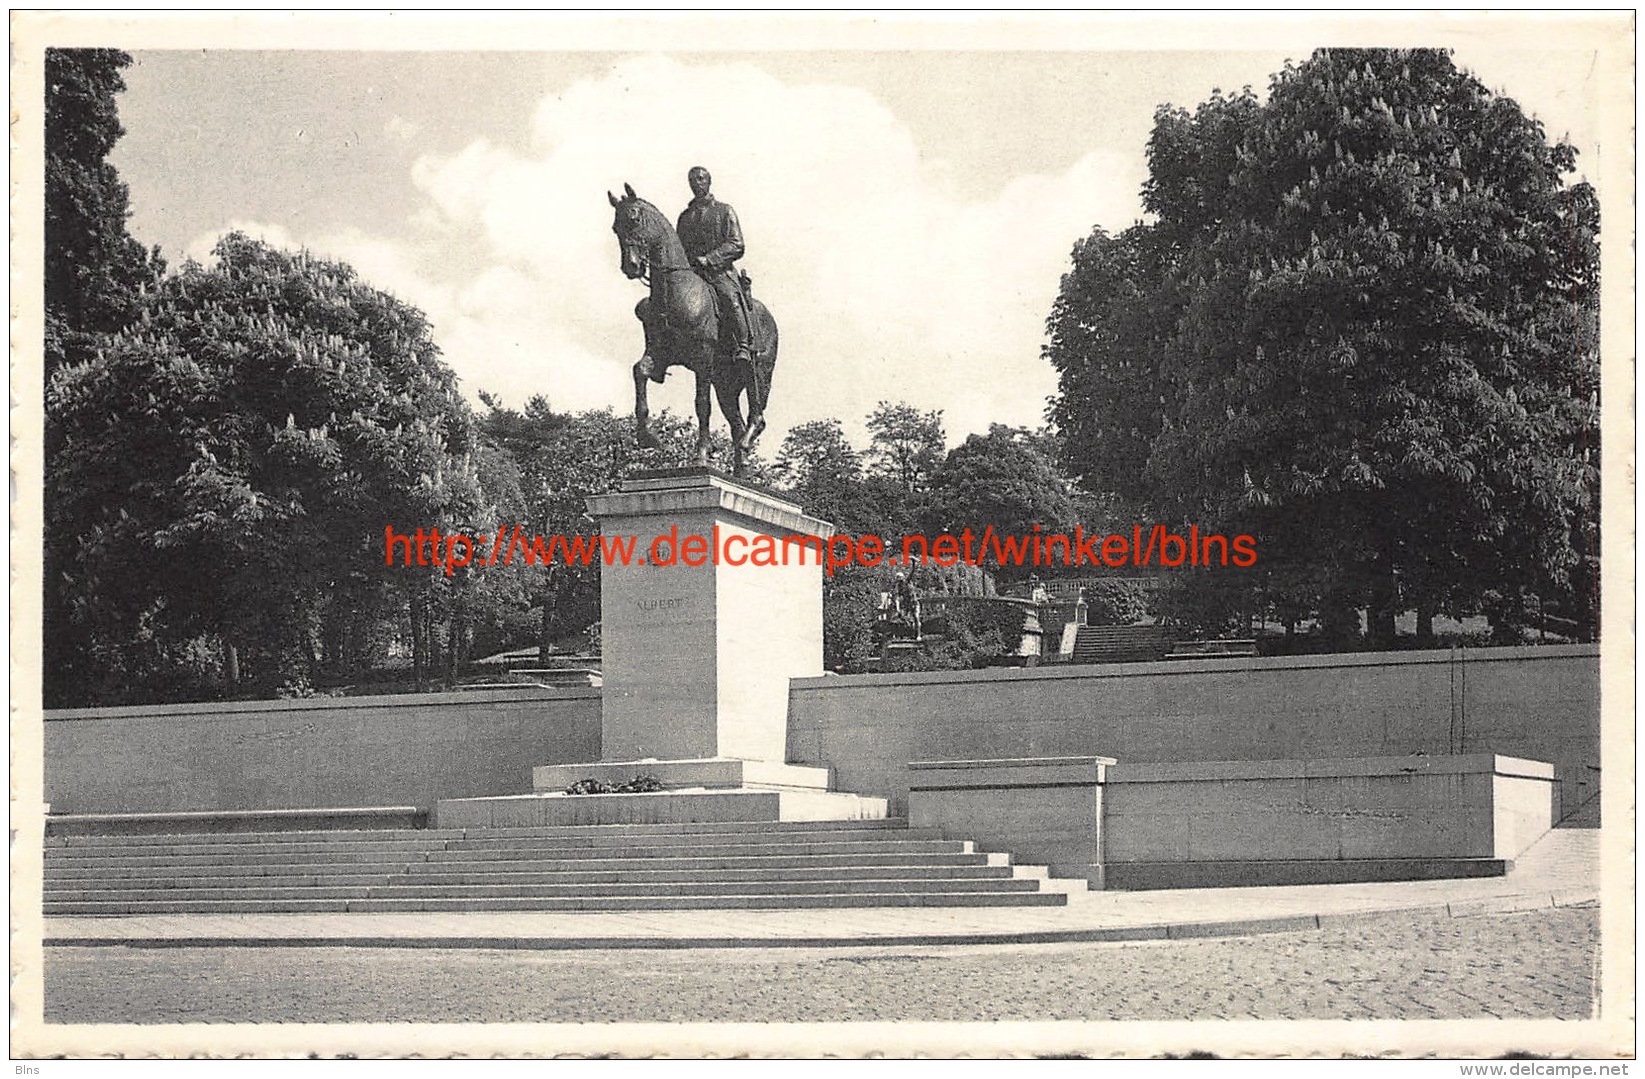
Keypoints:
pixel 908 213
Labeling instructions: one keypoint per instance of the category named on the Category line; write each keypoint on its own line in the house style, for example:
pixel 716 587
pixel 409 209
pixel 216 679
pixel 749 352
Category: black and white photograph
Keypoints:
pixel 699 534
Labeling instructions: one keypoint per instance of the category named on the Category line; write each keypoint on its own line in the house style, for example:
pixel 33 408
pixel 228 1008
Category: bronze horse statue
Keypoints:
pixel 682 328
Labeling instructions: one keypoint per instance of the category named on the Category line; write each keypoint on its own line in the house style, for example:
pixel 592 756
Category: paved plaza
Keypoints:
pixel 1531 964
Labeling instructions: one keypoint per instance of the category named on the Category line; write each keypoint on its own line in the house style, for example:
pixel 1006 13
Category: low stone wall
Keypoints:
pixel 403 750
pixel 1222 823
pixel 1475 806
pixel 1536 703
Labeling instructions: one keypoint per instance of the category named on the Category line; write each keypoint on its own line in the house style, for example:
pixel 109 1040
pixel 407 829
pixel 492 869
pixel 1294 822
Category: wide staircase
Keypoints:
pixel 1121 644
pixel 768 865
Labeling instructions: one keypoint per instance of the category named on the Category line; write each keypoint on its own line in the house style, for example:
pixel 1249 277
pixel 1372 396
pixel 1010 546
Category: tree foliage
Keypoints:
pixel 905 443
pixel 230 461
pixel 94 270
pixel 857 493
pixel 818 465
pixel 1004 480
pixel 559 459
pixel 1361 328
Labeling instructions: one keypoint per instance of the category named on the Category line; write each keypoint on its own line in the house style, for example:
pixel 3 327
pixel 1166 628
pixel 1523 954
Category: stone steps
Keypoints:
pixel 732 829
pixel 138 880
pixel 756 901
pixel 287 866
pixel 505 891
pixel 766 865
pixel 559 855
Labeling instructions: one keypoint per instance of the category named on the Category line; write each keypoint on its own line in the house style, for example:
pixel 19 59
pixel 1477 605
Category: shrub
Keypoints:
pixel 1115 603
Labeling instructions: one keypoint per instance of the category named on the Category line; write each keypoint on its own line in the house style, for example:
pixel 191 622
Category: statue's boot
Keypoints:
pixel 741 351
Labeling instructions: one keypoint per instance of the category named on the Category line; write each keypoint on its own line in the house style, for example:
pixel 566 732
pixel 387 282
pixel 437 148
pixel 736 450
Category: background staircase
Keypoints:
pixel 735 865
pixel 1121 644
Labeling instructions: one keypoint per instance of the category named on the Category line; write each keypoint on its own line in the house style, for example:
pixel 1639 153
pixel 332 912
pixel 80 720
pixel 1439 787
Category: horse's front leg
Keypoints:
pixel 643 436
pixel 704 412
pixel 643 372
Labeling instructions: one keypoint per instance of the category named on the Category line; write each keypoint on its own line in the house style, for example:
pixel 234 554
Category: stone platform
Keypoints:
pixel 688 806
pixel 703 790
pixel 711 773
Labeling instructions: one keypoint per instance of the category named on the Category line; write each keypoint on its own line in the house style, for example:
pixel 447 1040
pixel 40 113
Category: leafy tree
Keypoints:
pixel 1107 334
pixel 814 452
pixel 229 464
pixel 1374 308
pixel 1004 480
pixel 559 459
pixel 94 269
pixel 820 468
pixel 905 443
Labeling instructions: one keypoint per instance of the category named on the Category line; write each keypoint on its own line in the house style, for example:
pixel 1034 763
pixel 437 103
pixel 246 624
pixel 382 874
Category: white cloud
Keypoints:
pixel 885 285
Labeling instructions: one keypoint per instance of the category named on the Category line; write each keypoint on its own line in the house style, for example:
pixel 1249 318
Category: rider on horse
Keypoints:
pixel 714 241
pixel 687 323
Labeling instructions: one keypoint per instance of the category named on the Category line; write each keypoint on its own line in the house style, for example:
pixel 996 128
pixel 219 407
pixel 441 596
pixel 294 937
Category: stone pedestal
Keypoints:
pixel 700 638
pixel 720 605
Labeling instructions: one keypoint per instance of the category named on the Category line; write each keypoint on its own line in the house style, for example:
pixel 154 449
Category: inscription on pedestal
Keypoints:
pixel 664 605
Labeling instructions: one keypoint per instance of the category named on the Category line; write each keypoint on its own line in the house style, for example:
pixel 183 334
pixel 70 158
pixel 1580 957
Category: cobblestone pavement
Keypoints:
pixel 1539 964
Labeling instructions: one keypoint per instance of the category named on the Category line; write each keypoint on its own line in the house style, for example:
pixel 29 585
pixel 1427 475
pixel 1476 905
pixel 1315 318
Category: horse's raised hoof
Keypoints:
pixel 755 426
pixel 644 439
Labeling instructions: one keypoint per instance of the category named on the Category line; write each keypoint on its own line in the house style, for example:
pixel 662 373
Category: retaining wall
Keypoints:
pixel 1540 703
pixel 1536 703
pixel 411 749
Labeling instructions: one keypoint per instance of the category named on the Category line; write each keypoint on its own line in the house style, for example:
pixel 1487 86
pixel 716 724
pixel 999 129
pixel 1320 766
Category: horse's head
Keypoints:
pixel 638 225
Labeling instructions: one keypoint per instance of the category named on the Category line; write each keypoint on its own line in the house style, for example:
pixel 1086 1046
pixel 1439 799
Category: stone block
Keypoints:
pixel 1441 809
pixel 1046 811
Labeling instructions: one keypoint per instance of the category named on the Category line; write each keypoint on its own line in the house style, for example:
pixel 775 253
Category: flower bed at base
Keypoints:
pixel 637 785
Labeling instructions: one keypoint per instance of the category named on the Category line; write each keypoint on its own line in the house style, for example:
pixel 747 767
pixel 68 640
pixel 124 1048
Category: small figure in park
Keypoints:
pixel 907 602
pixel 713 240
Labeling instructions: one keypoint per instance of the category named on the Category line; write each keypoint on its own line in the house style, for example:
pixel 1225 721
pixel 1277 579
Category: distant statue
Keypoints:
pixel 697 315
pixel 905 602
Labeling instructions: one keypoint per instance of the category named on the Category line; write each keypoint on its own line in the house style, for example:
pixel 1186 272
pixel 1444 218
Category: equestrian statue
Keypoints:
pixel 700 314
